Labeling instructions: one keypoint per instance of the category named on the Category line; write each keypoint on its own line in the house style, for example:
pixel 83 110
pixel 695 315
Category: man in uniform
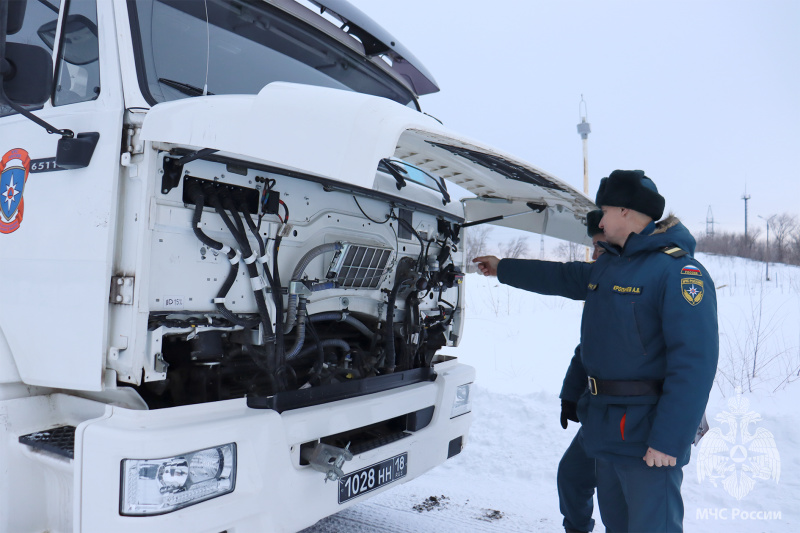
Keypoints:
pixel 576 477
pixel 649 345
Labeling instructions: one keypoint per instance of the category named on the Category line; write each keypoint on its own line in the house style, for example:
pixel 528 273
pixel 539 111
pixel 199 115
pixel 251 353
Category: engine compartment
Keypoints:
pixel 265 281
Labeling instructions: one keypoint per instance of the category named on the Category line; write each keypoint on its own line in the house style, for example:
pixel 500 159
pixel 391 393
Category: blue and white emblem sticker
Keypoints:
pixel 692 290
pixel 14 168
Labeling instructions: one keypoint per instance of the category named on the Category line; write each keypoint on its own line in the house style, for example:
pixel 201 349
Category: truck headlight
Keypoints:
pixel 158 486
pixel 463 400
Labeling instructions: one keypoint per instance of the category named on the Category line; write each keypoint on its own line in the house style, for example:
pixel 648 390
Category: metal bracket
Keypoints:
pixel 159 364
pixel 329 460
pixel 299 287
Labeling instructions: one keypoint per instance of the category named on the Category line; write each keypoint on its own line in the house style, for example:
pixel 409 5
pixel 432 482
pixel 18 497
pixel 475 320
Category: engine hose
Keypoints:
pixel 276 274
pixel 291 308
pixel 327 343
pixel 197 196
pixel 276 290
pixel 220 303
pixel 340 316
pixel 241 239
pixel 390 349
pixel 248 217
pixel 301 331
pixel 272 381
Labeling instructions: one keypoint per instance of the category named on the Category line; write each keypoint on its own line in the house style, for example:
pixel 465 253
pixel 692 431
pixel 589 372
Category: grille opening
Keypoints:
pixel 59 440
pixel 376 435
pixel 358 266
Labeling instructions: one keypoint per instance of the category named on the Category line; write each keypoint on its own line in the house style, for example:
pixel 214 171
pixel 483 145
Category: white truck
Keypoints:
pixel 229 260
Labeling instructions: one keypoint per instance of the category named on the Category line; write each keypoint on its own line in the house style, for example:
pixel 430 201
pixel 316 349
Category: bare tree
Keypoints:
pixel 794 247
pixel 515 248
pixel 476 240
pixel 569 251
pixel 783 226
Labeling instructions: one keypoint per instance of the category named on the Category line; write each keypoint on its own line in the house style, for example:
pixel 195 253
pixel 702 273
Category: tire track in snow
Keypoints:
pixel 372 517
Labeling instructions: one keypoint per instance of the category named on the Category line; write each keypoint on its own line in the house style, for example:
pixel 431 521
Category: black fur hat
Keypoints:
pixel 633 190
pixel 593 222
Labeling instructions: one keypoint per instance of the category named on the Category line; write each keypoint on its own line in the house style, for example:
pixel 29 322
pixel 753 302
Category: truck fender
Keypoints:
pixel 8 366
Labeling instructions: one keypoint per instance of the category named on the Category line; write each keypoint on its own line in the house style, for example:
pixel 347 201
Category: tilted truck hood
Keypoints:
pixel 341 135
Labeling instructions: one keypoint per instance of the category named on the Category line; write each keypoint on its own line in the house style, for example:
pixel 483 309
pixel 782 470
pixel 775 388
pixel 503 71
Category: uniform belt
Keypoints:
pixel 645 387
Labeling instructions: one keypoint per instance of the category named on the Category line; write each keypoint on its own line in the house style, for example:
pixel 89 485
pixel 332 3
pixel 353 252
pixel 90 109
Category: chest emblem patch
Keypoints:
pixel 691 270
pixel 692 290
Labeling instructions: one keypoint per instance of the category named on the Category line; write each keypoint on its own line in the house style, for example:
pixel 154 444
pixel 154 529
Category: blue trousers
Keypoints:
pixel 576 481
pixel 636 498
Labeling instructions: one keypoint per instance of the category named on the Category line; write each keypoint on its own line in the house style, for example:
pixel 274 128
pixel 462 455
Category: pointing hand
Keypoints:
pixel 487 264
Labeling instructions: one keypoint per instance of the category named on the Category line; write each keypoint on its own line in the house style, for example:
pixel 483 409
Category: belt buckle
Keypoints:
pixel 592 386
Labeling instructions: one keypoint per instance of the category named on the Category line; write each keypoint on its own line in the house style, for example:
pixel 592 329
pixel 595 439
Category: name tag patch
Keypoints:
pixel 627 290
pixel 692 290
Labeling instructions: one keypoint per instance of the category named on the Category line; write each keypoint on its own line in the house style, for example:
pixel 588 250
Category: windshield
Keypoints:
pixel 246 45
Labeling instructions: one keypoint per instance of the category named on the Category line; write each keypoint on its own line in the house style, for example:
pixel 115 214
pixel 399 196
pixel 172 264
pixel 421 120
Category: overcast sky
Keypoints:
pixel 704 96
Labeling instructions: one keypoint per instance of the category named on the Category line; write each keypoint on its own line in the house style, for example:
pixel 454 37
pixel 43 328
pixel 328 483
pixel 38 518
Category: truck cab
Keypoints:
pixel 232 252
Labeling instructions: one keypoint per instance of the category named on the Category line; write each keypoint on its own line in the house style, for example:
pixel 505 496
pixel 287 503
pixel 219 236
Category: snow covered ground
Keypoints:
pixel 521 344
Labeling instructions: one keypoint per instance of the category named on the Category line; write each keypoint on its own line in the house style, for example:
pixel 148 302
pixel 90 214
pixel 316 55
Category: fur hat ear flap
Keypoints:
pixel 631 189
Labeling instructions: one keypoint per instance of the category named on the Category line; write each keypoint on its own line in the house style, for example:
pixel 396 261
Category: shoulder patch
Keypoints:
pixel 691 270
pixel 692 290
pixel 674 251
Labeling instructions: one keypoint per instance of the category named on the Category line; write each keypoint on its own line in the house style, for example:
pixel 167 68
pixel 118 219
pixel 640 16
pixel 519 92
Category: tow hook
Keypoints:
pixel 329 460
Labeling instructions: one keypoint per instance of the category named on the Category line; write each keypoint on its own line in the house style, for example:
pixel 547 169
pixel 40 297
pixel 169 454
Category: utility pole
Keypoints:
pixel 745 197
pixel 584 129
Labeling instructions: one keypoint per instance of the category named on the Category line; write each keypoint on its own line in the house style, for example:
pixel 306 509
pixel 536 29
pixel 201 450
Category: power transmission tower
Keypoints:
pixel 709 223
pixel 745 197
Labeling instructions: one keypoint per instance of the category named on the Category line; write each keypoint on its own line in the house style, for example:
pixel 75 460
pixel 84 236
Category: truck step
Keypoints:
pixel 59 440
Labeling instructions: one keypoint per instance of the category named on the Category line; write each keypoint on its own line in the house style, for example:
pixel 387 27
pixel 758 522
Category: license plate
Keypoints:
pixel 370 478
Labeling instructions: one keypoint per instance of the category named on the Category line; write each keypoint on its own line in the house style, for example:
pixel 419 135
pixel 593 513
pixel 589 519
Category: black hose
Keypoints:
pixel 389 326
pixel 198 197
pixel 327 343
pixel 280 349
pixel 277 296
pixel 341 316
pixel 241 239
pixel 240 234
pixel 316 369
pixel 301 330
pixel 279 324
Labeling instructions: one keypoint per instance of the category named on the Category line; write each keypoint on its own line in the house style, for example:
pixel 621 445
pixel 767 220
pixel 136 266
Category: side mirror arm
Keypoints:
pixel 8 68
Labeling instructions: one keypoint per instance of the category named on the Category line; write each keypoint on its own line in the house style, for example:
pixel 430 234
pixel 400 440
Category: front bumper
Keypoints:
pixel 274 492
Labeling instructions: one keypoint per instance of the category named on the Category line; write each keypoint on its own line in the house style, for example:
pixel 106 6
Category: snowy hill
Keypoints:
pixel 521 344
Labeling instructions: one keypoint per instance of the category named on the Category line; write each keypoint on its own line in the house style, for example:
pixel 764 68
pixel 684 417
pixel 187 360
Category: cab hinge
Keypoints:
pixel 121 290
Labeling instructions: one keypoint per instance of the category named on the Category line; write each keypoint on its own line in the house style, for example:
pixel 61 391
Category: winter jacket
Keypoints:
pixel 649 315
pixel 575 379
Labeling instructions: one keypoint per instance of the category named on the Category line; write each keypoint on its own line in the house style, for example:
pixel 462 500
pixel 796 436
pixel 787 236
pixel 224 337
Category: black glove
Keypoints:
pixel 569 411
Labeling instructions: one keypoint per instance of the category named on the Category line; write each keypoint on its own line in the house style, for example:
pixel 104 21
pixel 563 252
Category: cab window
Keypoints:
pixel 37 14
pixel 78 73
